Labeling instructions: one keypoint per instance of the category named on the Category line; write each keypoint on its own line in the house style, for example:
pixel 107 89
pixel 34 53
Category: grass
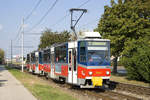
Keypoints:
pixel 40 89
pixel 123 79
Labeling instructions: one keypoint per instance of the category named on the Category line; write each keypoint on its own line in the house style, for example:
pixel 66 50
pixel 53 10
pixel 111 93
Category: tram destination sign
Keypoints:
pixel 97 43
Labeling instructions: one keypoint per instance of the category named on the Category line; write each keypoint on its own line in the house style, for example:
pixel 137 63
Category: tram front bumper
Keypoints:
pixel 97 81
pixel 93 82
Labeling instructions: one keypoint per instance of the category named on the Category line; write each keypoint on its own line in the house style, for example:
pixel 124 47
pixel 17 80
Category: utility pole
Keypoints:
pixel 75 21
pixel 11 53
pixel 22 44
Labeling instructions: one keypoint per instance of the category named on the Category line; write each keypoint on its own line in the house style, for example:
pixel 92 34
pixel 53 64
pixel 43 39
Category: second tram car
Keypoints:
pixel 84 62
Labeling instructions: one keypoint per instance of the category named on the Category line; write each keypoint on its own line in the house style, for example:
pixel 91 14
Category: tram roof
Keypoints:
pixel 88 39
pixel 64 43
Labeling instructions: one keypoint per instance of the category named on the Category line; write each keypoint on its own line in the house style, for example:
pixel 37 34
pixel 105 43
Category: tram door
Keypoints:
pixel 72 70
pixel 36 62
pixel 52 64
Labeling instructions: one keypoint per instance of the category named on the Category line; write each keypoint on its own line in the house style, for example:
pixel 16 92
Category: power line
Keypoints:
pixel 24 46
pixel 60 20
pixel 34 33
pixel 84 3
pixel 66 15
pixel 31 13
pixel 43 16
pixel 89 23
pixel 53 5
pixel 18 32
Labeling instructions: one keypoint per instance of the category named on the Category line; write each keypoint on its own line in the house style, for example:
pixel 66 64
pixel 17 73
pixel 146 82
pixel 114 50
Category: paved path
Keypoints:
pixel 11 88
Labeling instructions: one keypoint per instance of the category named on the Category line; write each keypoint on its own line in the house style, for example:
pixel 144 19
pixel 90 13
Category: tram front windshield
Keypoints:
pixel 97 53
pixel 98 57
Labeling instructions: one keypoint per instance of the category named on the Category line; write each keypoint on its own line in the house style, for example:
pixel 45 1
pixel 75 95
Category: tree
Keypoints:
pixel 49 38
pixel 136 59
pixel 1 56
pixel 122 22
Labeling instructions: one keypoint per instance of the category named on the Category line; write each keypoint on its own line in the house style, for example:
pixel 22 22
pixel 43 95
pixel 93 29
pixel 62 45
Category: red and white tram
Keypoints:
pixel 34 62
pixel 84 62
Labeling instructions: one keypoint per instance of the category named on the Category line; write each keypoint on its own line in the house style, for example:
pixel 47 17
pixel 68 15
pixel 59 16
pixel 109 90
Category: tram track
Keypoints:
pixel 100 94
pixel 135 90
pixel 95 94
pixel 107 95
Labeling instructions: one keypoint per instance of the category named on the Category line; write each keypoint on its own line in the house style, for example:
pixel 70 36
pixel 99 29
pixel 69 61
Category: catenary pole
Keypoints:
pixel 22 44
pixel 11 53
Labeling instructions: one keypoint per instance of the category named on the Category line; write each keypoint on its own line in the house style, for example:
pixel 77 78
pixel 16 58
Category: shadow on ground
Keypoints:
pixel 2 68
pixel 2 82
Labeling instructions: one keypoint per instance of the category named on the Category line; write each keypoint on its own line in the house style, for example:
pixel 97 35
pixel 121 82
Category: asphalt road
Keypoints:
pixel 11 88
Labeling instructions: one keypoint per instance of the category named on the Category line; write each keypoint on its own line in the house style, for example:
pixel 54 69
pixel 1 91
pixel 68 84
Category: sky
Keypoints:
pixel 13 11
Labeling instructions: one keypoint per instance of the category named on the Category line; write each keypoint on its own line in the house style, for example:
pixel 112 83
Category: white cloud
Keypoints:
pixel 1 27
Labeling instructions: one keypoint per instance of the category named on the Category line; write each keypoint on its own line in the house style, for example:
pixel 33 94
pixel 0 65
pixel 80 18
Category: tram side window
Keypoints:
pixel 28 58
pixel 60 54
pixel 46 56
pixel 33 57
pixel 82 52
pixel 52 58
pixel 70 57
pixel 36 59
pixel 40 57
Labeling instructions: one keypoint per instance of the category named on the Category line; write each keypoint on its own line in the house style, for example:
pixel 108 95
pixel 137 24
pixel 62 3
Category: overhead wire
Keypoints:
pixel 53 5
pixel 18 32
pixel 83 3
pixel 32 11
pixel 43 17
pixel 66 15
pixel 38 3
pixel 27 17
pixel 91 22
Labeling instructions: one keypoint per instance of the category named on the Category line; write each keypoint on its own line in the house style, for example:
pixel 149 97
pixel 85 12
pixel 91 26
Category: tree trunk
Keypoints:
pixel 115 65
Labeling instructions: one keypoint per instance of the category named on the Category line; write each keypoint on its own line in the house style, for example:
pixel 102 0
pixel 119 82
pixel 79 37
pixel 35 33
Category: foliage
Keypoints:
pixel 136 59
pixel 122 22
pixel 1 56
pixel 49 38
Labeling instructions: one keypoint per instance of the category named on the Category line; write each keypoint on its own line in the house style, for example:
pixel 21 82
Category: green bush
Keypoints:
pixel 143 62
pixel 137 61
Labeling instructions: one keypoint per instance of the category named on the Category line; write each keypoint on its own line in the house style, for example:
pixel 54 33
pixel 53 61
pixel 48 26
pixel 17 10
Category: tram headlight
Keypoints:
pixel 107 72
pixel 90 73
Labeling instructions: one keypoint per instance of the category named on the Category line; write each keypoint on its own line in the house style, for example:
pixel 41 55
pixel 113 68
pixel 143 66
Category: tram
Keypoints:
pixel 84 62
pixel 34 62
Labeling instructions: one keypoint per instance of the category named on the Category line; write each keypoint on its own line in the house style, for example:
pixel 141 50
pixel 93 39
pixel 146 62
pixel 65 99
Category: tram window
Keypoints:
pixel 40 57
pixel 70 57
pixel 33 57
pixel 82 54
pixel 28 58
pixel 74 60
pixel 46 56
pixel 36 59
pixel 52 58
pixel 60 54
